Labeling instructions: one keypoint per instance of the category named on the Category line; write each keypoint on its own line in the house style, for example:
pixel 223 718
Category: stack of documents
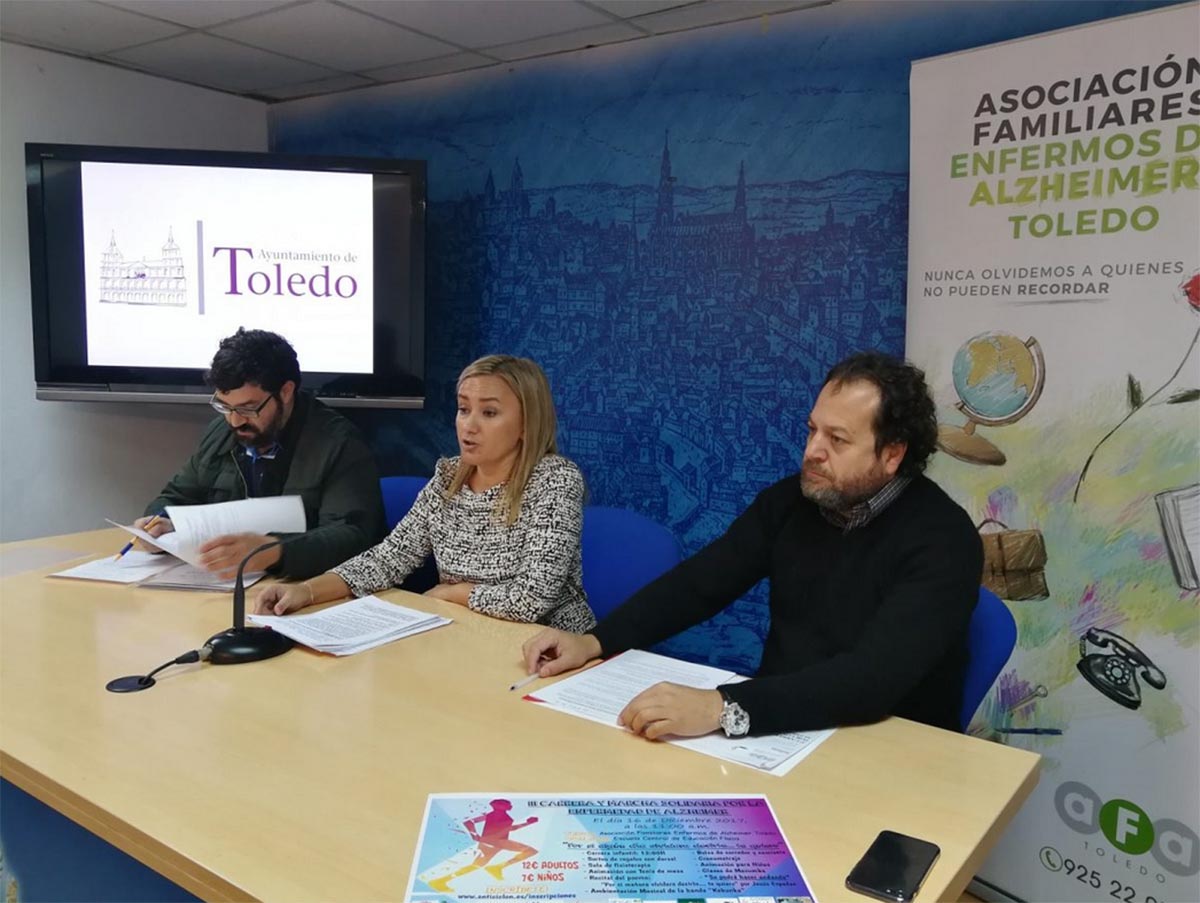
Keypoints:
pixel 352 626
pixel 132 567
pixel 149 569
pixel 185 576
pixel 600 693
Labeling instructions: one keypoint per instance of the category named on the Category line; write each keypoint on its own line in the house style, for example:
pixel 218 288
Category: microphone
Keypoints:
pixel 229 647
pixel 240 643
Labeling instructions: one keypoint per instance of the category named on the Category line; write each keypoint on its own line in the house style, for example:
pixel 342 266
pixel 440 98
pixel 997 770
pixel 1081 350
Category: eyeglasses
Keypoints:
pixel 242 410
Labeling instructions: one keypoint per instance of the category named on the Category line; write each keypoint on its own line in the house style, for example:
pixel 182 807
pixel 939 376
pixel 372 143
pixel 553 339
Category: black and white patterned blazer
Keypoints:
pixel 530 570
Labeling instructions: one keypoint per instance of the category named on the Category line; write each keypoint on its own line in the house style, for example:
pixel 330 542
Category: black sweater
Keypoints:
pixel 864 624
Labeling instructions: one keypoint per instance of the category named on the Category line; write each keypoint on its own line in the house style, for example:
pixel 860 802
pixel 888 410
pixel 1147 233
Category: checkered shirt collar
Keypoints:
pixel 864 512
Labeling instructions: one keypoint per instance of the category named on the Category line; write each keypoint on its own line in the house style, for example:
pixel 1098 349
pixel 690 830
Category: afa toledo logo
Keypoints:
pixel 1128 828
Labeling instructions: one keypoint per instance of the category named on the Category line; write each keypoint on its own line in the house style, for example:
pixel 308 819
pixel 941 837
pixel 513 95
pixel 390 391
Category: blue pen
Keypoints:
pixel 129 545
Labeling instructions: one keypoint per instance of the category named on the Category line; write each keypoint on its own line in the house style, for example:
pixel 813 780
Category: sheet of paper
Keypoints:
pixel 611 847
pixel 776 754
pixel 272 514
pixel 382 639
pixel 600 693
pixel 355 621
pixel 352 626
pixel 132 567
pixel 197 524
pixel 171 543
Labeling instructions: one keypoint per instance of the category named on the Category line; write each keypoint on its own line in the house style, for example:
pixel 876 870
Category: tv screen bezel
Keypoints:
pixel 395 388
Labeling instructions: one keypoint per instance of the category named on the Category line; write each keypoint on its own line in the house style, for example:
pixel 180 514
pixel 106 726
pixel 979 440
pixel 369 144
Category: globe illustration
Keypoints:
pixel 998 379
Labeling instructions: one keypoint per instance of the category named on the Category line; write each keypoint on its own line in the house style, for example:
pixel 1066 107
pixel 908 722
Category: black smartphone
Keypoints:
pixel 893 867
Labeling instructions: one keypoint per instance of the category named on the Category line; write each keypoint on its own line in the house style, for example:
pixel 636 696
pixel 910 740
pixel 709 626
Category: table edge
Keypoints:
pixel 151 853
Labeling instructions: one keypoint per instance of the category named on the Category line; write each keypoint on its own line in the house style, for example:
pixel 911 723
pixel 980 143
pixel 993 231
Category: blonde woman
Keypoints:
pixel 503 519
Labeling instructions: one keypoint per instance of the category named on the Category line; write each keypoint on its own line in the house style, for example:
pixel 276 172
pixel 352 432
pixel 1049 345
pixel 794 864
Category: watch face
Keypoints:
pixel 735 722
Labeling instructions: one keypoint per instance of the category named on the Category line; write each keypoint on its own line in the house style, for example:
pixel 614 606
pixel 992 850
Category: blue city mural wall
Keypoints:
pixel 686 232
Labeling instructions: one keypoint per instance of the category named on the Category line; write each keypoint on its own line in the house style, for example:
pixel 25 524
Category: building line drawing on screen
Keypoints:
pixel 160 282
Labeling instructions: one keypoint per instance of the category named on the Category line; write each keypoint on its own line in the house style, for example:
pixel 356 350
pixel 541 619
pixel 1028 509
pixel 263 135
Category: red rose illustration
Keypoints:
pixel 1191 291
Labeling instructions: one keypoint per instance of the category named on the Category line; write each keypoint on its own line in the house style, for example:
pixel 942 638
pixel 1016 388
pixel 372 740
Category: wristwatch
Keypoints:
pixel 734 721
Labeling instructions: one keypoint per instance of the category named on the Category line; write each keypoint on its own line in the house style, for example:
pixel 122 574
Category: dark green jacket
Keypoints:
pixel 323 459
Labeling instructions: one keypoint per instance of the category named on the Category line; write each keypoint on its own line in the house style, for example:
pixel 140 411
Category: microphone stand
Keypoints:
pixel 241 643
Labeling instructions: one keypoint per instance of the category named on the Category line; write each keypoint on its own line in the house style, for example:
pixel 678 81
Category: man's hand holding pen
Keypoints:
pixel 155 525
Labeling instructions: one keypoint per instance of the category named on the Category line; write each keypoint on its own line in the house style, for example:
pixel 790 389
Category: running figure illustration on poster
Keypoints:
pixel 492 839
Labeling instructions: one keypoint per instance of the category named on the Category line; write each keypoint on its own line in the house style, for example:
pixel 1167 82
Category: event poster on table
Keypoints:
pixel 591 847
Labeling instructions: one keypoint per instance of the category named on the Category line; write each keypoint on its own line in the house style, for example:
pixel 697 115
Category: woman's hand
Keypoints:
pixel 281 598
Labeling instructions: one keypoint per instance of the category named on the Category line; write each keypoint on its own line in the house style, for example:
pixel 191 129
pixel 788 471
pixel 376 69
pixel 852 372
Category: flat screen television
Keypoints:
pixel 142 260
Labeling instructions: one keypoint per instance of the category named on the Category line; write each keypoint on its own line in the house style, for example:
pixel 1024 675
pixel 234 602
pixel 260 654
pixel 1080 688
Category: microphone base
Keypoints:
pixel 247 644
pixel 134 683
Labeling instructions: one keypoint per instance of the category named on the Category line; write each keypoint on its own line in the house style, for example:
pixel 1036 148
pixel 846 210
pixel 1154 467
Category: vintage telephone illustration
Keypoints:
pixel 1111 668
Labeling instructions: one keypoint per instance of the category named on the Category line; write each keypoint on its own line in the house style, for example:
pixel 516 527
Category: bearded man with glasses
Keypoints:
pixel 274 439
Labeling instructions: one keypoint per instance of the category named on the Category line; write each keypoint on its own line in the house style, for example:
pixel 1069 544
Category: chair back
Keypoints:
pixel 399 493
pixel 622 552
pixel 991 638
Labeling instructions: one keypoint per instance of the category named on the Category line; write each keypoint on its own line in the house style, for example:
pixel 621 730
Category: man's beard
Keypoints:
pixel 260 437
pixel 840 498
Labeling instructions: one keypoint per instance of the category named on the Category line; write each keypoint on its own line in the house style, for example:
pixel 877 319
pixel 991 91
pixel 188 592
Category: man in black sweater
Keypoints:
pixel 874 573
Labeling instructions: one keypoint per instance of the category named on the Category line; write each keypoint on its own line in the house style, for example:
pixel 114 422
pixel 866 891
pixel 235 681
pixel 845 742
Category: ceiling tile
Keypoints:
pixel 714 12
pixel 299 48
pixel 78 25
pixel 572 40
pixel 320 86
pixel 213 61
pixel 627 8
pixel 198 13
pixel 481 23
pixel 455 62
pixel 334 36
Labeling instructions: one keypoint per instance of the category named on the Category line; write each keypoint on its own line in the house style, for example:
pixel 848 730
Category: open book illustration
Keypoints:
pixel 1179 513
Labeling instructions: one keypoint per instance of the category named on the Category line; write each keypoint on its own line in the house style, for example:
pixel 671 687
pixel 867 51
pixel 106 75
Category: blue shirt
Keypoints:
pixel 253 465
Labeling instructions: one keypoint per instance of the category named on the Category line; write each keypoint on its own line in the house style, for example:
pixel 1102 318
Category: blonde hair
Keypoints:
pixel 538 420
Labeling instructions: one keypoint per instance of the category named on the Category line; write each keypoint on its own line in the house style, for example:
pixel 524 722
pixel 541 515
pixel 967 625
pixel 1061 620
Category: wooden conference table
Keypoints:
pixel 305 777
